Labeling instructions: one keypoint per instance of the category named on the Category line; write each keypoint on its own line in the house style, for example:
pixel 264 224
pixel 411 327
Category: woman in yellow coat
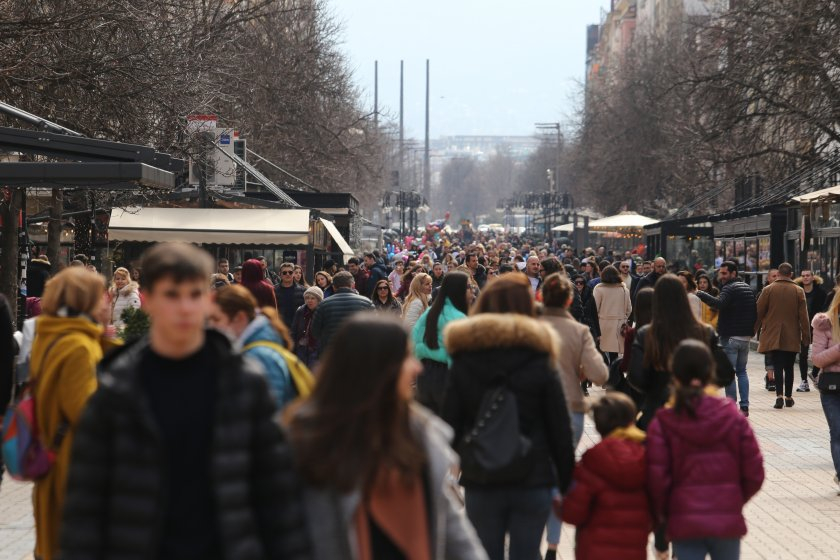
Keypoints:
pixel 65 353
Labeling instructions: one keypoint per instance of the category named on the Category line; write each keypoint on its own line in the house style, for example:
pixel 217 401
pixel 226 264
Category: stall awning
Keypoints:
pixel 346 250
pixel 622 220
pixel 816 196
pixel 211 225
pixel 565 228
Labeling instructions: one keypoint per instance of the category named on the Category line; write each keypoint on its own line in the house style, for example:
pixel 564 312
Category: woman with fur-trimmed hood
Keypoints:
pixel 124 294
pixel 503 344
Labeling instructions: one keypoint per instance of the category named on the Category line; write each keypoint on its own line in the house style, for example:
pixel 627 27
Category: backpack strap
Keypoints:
pixel 302 378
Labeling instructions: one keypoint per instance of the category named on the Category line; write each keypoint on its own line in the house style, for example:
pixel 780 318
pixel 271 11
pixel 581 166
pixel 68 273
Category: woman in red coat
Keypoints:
pixel 703 462
pixel 608 502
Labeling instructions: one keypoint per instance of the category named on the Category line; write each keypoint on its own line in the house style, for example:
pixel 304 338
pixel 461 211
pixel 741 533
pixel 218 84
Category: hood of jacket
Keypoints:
pixel 620 461
pixel 493 331
pixel 128 289
pixel 258 329
pixel 252 272
pixel 817 281
pixel 50 326
pixel 821 322
pixel 712 424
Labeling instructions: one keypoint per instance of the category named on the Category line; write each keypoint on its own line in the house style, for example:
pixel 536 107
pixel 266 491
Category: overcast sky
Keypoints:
pixel 497 67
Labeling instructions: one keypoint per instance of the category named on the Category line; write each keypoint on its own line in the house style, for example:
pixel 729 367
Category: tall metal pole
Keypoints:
pixel 427 179
pixel 402 156
pixel 376 94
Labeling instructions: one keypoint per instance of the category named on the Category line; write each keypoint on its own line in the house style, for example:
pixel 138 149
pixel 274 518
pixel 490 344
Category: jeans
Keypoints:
pixel 803 363
pixel 737 351
pixel 554 525
pixel 783 366
pixel 718 549
pixel 509 510
pixel 831 408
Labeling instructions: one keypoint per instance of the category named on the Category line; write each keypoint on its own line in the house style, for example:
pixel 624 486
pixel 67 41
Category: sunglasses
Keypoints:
pixel 287 272
pixel 579 283
pixel 382 288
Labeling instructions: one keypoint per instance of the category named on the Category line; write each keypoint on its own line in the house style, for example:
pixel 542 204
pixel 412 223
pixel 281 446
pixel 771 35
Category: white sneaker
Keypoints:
pixel 803 387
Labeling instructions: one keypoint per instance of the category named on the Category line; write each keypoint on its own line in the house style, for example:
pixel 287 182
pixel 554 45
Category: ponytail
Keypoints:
pixel 692 367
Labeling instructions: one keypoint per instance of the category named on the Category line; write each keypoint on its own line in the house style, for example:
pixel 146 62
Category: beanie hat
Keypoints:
pixel 314 291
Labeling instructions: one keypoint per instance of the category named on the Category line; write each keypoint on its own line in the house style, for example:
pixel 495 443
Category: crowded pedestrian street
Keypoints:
pixel 793 517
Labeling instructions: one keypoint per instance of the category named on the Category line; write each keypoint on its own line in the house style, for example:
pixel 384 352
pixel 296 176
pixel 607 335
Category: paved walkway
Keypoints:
pixel 795 516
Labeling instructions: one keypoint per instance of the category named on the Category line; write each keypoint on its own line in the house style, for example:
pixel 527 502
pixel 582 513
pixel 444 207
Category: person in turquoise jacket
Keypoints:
pixel 452 303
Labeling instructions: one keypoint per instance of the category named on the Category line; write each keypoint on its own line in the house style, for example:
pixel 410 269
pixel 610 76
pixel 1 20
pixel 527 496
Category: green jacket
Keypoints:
pixel 448 314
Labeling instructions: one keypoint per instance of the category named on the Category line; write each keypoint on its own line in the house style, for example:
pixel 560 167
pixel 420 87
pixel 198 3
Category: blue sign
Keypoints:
pixel 224 139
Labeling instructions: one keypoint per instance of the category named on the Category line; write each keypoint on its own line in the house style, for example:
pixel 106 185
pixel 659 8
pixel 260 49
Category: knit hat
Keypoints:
pixel 314 291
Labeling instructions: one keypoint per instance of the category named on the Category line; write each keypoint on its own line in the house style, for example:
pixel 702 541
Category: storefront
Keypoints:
pixel 299 236
pixel 687 244
pixel 813 236
pixel 755 243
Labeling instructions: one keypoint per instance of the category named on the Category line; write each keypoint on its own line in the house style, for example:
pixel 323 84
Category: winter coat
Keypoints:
pixel 273 365
pixel 7 355
pixel 736 309
pixel 413 311
pixel 646 281
pixel 422 351
pixel 701 471
pixel 452 536
pixel 608 501
pixel 525 350
pixel 388 307
pixel 126 298
pixel 260 288
pixel 782 317
pixel 37 274
pixel 817 302
pixel 579 359
pixel 287 313
pixel 825 351
pixel 613 304
pixel 64 378
pixel 376 273
pixel 306 345
pixel 332 312
pixel 113 507
pixel 654 385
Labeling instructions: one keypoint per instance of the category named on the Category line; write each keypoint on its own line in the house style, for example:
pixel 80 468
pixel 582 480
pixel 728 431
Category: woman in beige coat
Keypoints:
pixel 612 299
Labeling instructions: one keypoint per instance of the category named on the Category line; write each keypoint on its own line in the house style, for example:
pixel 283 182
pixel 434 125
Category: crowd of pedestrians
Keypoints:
pixel 430 403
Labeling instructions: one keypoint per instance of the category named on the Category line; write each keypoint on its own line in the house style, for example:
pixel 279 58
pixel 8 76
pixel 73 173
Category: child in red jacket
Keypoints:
pixel 703 462
pixel 608 500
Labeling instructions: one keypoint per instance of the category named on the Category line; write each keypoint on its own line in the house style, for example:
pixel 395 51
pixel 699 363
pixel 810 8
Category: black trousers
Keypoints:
pixel 783 366
pixel 803 363
pixel 431 385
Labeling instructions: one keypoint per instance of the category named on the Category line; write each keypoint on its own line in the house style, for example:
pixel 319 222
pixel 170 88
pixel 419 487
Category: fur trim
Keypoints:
pixel 128 289
pixel 818 281
pixel 495 330
pixel 821 322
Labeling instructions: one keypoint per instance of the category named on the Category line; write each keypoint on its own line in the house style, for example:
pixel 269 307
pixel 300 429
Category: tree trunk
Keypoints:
pixel 9 247
pixel 54 228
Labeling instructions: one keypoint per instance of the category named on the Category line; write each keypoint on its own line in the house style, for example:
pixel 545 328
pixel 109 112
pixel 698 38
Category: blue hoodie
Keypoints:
pixel 275 367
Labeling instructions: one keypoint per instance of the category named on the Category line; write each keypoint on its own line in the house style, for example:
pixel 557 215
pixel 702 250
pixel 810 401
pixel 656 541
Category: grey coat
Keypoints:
pixel 330 515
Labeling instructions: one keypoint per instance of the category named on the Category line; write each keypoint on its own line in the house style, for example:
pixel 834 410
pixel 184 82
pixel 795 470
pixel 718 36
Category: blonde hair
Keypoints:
pixel 121 271
pixel 832 312
pixel 415 291
pixel 76 288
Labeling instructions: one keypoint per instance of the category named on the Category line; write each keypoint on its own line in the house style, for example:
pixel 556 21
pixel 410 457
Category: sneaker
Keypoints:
pixel 813 377
pixel 585 392
pixel 745 411
pixel 837 483
pixel 803 387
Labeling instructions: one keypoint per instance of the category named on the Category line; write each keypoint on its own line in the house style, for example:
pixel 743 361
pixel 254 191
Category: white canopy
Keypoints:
pixel 346 250
pixel 213 225
pixel 565 227
pixel 830 192
pixel 622 220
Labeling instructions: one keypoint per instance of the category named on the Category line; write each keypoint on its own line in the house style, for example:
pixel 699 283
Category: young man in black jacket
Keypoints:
pixel 176 455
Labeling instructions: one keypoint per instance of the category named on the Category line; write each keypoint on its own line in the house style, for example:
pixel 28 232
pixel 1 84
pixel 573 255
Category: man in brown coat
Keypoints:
pixel 783 322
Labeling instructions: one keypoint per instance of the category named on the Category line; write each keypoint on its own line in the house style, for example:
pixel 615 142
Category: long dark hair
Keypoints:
pixel 453 288
pixel 350 426
pixel 376 301
pixel 672 322
pixel 643 307
pixel 692 366
pixel 508 294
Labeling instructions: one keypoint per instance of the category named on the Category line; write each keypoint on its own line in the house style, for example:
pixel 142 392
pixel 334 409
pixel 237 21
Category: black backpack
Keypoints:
pixel 494 451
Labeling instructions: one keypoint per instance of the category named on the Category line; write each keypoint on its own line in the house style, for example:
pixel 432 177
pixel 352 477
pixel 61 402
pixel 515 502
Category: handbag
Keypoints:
pixel 494 451
pixel 829 382
pixel 724 371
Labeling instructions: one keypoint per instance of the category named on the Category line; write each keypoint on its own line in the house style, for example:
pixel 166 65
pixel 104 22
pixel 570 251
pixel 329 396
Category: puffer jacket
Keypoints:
pixel 608 502
pixel 273 365
pixel 701 471
pixel 525 350
pixel 332 312
pixel 736 306
pixel 113 507
pixel 127 297
pixel 825 352
pixel 422 351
